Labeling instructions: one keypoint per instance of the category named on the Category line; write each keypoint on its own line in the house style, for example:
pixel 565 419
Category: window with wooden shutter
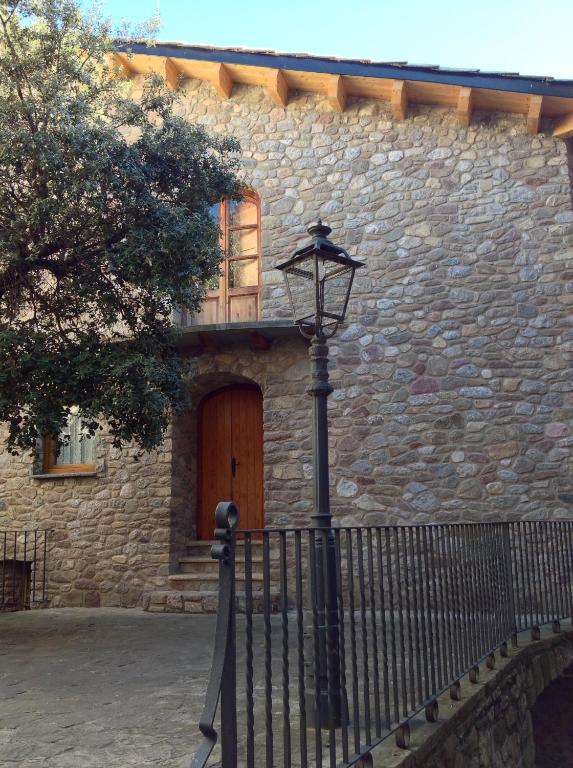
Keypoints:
pixel 234 296
pixel 72 451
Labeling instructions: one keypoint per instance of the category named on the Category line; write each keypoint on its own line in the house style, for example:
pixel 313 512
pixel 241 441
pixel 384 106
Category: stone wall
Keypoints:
pixel 282 374
pixel 110 534
pixel 121 532
pixel 453 376
pixel 493 728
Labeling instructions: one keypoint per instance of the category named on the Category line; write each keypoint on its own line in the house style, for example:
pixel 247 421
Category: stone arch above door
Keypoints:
pixel 203 384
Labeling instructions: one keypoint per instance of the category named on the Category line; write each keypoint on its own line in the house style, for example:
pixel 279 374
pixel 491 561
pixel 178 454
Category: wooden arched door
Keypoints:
pixel 230 456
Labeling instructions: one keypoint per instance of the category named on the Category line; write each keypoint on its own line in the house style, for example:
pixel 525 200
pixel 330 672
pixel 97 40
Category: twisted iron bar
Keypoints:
pixel 223 665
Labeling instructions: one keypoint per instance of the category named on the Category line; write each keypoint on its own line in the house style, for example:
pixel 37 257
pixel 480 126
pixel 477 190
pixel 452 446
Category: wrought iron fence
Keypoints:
pixel 342 637
pixel 23 563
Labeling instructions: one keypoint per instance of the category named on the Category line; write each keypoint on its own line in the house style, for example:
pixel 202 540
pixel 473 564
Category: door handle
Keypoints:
pixel 234 463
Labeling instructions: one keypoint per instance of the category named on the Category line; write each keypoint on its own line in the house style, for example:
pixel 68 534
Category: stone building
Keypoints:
pixel 453 375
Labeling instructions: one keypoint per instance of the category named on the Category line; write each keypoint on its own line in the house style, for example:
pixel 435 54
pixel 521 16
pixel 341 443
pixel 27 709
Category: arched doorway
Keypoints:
pixel 230 456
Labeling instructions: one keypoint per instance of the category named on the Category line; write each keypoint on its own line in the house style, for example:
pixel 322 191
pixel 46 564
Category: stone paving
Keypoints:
pixel 101 687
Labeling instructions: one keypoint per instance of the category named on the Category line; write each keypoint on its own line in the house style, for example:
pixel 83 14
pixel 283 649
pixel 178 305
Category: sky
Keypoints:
pixel 532 37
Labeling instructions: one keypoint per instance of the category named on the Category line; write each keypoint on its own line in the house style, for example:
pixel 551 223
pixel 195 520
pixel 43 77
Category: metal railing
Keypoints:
pixel 23 564
pixel 305 683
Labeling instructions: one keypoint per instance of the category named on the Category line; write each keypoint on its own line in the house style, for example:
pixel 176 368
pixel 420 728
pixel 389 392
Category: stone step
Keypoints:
pixel 203 548
pixel 180 601
pixel 195 564
pixel 198 601
pixel 202 581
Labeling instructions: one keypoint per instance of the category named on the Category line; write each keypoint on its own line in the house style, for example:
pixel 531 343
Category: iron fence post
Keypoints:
pixel 223 678
pixel 512 603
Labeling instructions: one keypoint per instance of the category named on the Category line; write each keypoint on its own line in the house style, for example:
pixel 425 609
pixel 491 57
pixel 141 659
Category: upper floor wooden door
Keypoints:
pixel 233 297
pixel 230 456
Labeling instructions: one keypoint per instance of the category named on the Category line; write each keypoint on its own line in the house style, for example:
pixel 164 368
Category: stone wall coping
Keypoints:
pixel 427 739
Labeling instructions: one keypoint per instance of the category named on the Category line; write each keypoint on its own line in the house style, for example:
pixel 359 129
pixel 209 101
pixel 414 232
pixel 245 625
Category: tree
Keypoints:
pixel 105 226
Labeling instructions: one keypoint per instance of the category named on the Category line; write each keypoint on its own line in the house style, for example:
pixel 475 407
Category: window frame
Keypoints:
pixel 223 294
pixel 51 467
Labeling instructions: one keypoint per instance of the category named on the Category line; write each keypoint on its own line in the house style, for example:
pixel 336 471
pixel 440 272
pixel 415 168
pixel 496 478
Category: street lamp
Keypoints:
pixel 319 279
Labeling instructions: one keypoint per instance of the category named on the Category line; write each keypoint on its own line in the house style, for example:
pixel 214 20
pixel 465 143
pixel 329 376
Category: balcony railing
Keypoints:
pixel 308 682
pixel 23 565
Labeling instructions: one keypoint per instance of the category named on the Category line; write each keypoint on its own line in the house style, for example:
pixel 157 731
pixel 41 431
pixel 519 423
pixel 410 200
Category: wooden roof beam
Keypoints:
pixel 222 81
pixel 464 108
pixel 173 75
pixel 123 65
pixel 564 127
pixel 534 113
pixel 336 93
pixel 278 87
pixel 399 100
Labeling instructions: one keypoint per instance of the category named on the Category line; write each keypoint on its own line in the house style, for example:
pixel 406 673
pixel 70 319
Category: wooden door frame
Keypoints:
pixel 198 500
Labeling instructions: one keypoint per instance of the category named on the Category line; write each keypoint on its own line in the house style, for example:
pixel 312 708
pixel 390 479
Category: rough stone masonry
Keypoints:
pixel 453 376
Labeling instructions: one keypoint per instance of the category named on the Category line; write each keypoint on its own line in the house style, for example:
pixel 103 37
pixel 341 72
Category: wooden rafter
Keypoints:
pixel 399 100
pixel 336 93
pixel 338 87
pixel 222 81
pixel 123 63
pixel 278 87
pixel 534 113
pixel 464 108
pixel 172 74
pixel 564 127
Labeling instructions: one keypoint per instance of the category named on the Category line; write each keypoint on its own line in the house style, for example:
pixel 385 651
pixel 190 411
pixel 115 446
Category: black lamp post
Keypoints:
pixel 319 279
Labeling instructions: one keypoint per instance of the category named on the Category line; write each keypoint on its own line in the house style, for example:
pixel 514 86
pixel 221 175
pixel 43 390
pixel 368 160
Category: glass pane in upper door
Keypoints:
pixel 243 243
pixel 214 211
pixel 213 283
pixel 243 213
pixel 244 273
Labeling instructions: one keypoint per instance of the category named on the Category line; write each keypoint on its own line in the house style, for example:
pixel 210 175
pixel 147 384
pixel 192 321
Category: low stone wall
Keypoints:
pixel 491 727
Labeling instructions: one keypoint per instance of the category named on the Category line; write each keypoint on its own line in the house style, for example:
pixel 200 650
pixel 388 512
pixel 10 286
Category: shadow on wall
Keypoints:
pixel 569 149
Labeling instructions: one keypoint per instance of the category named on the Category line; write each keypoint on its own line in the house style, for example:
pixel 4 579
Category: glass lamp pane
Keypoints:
pixel 300 283
pixel 335 286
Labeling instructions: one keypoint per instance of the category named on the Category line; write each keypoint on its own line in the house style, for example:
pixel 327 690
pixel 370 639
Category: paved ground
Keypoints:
pixel 113 688
pixel 103 687
pixel 553 724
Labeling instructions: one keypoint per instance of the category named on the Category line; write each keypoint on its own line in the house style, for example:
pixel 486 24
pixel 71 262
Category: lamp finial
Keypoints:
pixel 318 229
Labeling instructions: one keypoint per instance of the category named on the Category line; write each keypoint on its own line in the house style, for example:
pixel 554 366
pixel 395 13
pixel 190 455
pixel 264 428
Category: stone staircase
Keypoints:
pixel 194 587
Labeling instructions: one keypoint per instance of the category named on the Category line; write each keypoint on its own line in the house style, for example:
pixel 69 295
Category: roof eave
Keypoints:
pixel 325 65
